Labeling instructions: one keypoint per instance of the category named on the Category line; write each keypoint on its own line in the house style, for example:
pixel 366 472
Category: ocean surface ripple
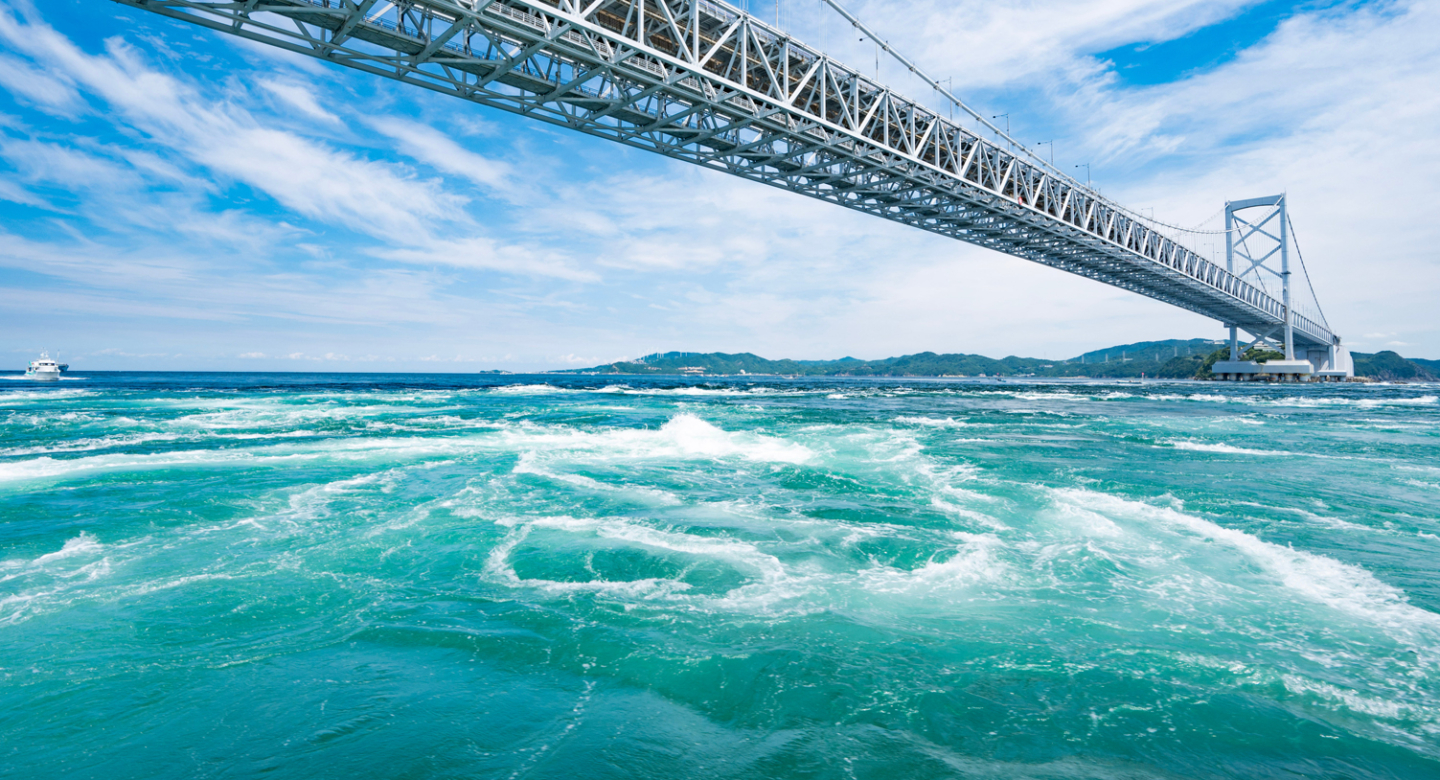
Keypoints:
pixel 393 576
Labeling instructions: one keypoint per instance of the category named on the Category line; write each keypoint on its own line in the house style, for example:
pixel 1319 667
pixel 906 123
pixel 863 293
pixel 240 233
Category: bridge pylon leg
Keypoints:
pixel 1285 278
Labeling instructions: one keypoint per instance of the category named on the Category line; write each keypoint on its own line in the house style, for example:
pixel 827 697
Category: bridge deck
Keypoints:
pixel 703 82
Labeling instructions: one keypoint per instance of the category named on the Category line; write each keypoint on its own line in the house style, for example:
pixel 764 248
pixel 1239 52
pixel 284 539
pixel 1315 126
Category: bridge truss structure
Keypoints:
pixel 704 82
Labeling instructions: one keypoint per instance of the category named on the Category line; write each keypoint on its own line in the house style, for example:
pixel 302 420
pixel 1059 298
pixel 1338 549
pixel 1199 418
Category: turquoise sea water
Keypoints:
pixel 238 576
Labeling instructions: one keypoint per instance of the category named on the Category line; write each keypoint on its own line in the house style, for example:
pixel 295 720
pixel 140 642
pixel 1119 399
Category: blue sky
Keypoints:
pixel 1210 44
pixel 172 198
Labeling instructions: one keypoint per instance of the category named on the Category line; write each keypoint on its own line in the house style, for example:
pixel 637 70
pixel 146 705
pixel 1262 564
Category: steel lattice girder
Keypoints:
pixel 703 82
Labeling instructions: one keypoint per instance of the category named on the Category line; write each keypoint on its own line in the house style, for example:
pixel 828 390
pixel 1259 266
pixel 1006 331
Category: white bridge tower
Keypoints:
pixel 1258 246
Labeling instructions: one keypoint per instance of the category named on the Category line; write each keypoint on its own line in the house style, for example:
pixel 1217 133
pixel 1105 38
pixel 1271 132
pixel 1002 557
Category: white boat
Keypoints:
pixel 44 368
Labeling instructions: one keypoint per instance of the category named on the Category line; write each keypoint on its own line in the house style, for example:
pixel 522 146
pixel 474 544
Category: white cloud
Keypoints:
pixel 381 199
pixel 14 193
pixel 487 254
pixel 322 183
pixel 430 146
pixel 45 90
pixel 577 360
pixel 1004 43
pixel 298 97
pixel 47 163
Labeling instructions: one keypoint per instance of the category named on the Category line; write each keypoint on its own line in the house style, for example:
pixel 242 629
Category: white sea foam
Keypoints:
pixel 528 465
pixel 57 419
pixel 1053 395
pixel 968 514
pixel 933 422
pixel 743 555
pixel 281 415
pixel 1087 521
pixel 1298 401
pixel 773 586
pixel 314 501
pixel 975 561
pixel 47 467
pixel 84 544
pixel 527 390
pixel 167 583
pixel 498 568
pixel 684 436
pixel 1361 403
pixel 1202 397
pixel 695 391
pixel 90 445
pixel 1389 709
pixel 1346 588
pixel 341 449
pixel 52 577
pixel 770 585
pixel 24 397
pixel 1313 517
pixel 387 396
pixel 1226 449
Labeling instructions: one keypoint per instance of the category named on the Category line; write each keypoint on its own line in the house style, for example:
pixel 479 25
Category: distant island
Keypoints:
pixel 1170 359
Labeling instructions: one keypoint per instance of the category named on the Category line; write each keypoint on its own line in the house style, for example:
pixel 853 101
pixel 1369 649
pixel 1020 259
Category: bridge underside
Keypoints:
pixel 703 82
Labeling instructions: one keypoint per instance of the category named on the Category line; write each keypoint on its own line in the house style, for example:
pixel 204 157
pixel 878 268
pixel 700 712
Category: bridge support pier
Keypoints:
pixel 1238 370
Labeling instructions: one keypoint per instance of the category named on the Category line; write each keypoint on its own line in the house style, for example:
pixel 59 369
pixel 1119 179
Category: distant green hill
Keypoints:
pixel 1390 367
pixel 1432 366
pixel 1170 359
pixel 1155 351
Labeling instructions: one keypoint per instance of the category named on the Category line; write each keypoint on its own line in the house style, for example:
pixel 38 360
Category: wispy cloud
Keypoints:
pixel 312 179
pixel 488 254
pixel 1020 42
pixel 40 88
pixel 299 97
pixel 430 146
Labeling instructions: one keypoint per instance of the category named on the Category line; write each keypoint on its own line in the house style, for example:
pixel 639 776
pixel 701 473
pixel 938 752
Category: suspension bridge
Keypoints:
pixel 708 83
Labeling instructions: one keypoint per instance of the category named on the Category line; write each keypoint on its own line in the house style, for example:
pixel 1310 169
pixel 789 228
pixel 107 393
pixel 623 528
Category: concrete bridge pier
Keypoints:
pixel 1311 364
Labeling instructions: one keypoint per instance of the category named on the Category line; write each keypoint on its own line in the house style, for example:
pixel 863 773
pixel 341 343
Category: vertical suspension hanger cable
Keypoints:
pixel 824 28
pixel 1313 297
pixel 913 68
